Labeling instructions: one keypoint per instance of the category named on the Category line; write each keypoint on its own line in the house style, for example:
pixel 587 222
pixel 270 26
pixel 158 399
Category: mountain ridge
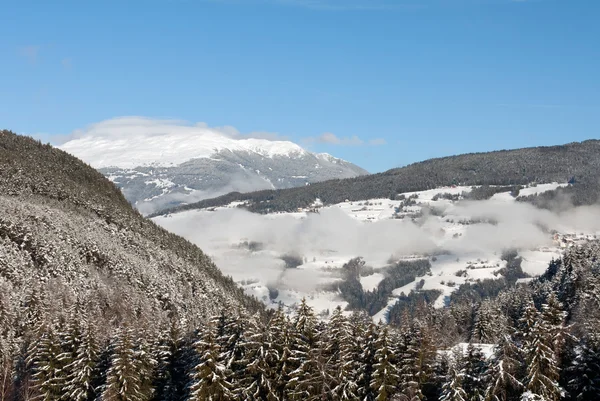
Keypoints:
pixel 155 171
pixel 502 167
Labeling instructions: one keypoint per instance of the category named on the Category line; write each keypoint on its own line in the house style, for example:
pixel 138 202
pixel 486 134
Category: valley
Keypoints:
pixel 462 240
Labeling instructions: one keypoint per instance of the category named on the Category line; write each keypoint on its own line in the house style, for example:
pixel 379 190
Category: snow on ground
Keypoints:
pixel 535 262
pixel 370 283
pixel 163 143
pixel 324 247
pixel 486 349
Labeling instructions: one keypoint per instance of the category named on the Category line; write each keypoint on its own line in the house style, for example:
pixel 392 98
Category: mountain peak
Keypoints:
pixel 162 163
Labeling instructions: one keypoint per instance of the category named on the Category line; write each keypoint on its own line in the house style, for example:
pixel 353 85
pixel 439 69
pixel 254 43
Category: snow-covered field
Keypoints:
pixel 467 239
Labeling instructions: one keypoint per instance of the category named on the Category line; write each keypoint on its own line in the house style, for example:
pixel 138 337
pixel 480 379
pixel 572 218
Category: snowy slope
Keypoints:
pixel 170 149
pixel 161 165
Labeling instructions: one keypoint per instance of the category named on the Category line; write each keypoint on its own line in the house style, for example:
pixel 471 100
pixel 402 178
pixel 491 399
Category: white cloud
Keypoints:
pixel 332 139
pixel 30 53
pixel 518 225
pixel 139 126
pixel 377 141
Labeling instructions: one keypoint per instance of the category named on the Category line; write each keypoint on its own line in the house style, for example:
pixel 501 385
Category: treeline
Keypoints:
pixel 543 344
pixel 509 168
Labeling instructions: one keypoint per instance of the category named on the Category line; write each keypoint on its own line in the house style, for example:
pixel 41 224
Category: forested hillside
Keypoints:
pixel 580 161
pixel 69 241
pixel 533 342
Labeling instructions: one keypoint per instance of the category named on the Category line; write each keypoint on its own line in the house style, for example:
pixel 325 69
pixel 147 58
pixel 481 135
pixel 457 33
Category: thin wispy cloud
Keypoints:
pixel 30 53
pixel 332 139
pixel 67 63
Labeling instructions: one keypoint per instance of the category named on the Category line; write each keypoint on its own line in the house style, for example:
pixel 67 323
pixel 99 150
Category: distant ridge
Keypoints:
pixel 579 160
pixel 185 164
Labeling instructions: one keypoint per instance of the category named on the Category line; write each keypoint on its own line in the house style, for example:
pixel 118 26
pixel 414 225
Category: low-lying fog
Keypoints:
pixel 335 236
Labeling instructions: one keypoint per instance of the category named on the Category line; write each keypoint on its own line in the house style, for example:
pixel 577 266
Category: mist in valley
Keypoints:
pixel 250 247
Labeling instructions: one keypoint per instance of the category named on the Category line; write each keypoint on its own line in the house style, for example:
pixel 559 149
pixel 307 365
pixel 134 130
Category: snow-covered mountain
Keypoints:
pixel 160 166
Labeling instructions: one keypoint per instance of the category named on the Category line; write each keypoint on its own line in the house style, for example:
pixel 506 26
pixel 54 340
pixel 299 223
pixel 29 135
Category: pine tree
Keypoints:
pixel 171 376
pixel 504 372
pixel 44 360
pixel 306 379
pixel 385 376
pixel 123 377
pixel 209 379
pixel 542 365
pixel 260 361
pixel 367 363
pixel 286 339
pixel 489 323
pixel 584 374
pixel 82 370
pixel 348 339
pixel 452 389
pixel 417 355
pixel 474 373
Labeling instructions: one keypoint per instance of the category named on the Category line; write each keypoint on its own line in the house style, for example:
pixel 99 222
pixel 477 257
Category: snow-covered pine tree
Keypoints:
pixel 505 371
pixel 489 323
pixel 349 337
pixel 417 357
pixel 123 377
pixel 541 381
pixel 453 389
pixel 171 378
pixel 306 380
pixel 82 371
pixel 209 378
pixel 385 376
pixel 285 338
pixel 584 373
pixel 260 360
pixel 48 378
pixel 311 381
pixel 367 362
pixel 333 337
pixel 475 373
pixel 144 351
pixel 229 328
pixel 305 323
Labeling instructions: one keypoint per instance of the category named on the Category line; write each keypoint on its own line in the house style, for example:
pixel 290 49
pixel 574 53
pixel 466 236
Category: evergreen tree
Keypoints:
pixel 584 374
pixel 123 377
pixel 452 389
pixel 504 372
pixel 474 373
pixel 542 365
pixel 385 376
pixel 171 377
pixel 209 379
pixel 260 361
pixel 417 356
pixel 349 337
pixel 489 323
pixel 367 363
pixel 82 370
pixel 48 378
pixel 306 380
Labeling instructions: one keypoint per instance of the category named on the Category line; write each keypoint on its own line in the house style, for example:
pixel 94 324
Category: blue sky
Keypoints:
pixel 381 83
